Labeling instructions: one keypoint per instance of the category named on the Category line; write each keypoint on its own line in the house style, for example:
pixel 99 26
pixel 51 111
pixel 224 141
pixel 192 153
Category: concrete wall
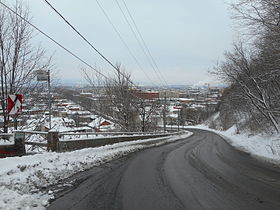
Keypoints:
pixel 64 146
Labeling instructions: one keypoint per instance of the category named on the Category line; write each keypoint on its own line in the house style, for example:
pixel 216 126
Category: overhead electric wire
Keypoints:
pixel 89 43
pixel 64 48
pixel 53 40
pixel 122 39
pixel 60 45
pixel 70 52
pixel 141 37
pixel 138 41
pixel 68 23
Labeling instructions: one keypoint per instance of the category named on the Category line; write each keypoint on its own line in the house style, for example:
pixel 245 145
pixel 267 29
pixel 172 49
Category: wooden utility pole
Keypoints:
pixel 164 113
pixel 178 119
pixel 49 100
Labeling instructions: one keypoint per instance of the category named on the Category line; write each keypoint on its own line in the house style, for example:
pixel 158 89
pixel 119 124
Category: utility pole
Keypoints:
pixel 164 113
pixel 143 115
pixel 43 75
pixel 49 100
pixel 178 119
pixel 179 113
pixel 207 101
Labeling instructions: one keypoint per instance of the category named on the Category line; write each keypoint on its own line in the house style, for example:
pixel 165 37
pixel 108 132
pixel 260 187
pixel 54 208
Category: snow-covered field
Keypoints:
pixel 264 148
pixel 24 180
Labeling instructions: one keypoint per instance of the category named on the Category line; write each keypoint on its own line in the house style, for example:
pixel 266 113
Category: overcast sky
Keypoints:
pixel 185 37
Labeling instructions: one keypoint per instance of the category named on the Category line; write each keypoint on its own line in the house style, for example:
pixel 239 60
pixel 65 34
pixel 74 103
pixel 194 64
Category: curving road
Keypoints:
pixel 201 172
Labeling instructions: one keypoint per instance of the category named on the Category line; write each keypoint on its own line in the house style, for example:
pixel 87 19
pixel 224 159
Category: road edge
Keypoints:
pixel 260 158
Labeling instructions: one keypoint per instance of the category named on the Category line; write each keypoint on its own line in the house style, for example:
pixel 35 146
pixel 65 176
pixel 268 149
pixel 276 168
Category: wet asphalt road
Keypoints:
pixel 200 172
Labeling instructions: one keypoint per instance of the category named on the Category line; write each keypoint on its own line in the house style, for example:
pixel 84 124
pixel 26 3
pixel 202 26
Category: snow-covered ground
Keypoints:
pixel 24 180
pixel 262 147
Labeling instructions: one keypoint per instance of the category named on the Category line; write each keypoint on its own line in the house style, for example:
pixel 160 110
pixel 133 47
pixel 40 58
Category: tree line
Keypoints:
pixel 252 69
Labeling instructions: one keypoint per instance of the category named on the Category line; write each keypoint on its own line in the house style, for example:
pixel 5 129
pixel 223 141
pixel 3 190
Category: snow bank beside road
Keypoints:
pixel 23 180
pixel 264 148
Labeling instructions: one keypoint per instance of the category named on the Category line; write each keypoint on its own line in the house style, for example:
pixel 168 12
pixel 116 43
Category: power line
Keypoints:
pixel 141 37
pixel 145 49
pixel 122 40
pixel 68 23
pixel 53 40
pixel 138 41
pixel 88 42
pixel 61 46
pixel 64 48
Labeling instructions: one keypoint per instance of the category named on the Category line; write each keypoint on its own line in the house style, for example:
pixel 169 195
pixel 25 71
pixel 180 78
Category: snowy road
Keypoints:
pixel 200 172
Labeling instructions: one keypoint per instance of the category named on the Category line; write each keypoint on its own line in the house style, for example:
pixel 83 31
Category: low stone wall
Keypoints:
pixel 64 146
pixel 54 144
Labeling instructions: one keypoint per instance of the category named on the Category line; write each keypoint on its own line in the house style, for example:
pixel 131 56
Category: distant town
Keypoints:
pixel 72 108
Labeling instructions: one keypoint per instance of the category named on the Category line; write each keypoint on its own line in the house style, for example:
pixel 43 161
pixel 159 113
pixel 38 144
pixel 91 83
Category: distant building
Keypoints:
pixel 169 94
pixel 147 94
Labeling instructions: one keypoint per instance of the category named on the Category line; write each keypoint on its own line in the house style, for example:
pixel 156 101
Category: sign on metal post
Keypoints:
pixel 45 76
pixel 42 75
pixel 14 104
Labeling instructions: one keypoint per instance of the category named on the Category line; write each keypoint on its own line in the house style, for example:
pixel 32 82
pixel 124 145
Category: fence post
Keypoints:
pixel 19 138
pixel 52 138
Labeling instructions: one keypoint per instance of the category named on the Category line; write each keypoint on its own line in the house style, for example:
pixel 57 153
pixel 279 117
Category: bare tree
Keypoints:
pixel 147 111
pixel 256 84
pixel 97 85
pixel 122 104
pixel 121 101
pixel 258 15
pixel 252 69
pixel 18 58
pixel 116 100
